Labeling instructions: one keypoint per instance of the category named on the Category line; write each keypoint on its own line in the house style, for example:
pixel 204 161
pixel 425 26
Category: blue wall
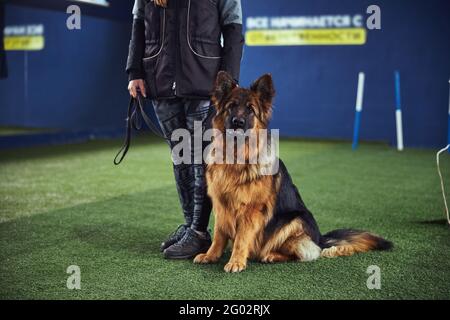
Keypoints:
pixel 316 85
pixel 78 82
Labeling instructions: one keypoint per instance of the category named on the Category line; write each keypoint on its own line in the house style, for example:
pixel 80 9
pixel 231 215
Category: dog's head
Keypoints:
pixel 241 108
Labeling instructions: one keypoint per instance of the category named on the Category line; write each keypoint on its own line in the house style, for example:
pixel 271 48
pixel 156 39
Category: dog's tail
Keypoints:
pixel 346 242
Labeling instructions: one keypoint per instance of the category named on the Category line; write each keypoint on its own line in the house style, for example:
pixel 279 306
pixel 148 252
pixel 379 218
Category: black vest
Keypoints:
pixel 183 51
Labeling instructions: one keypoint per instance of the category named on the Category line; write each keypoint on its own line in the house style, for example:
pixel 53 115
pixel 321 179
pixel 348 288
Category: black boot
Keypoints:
pixel 184 177
pixel 185 182
pixel 176 236
pixel 195 242
pixel 202 203
pixel 189 246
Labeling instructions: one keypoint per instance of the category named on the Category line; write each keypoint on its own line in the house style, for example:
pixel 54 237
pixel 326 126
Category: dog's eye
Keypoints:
pixel 251 108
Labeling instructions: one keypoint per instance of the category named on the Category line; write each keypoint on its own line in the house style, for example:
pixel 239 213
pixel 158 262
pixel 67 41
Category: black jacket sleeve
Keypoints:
pixel 231 22
pixel 135 68
pixel 232 50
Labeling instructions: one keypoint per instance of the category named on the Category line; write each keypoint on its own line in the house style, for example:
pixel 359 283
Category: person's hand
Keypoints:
pixel 137 85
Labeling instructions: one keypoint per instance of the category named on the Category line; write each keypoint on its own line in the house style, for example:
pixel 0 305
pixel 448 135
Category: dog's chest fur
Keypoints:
pixel 240 196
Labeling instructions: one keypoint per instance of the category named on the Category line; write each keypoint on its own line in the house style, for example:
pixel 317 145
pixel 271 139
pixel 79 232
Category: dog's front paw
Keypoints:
pixel 235 267
pixel 204 258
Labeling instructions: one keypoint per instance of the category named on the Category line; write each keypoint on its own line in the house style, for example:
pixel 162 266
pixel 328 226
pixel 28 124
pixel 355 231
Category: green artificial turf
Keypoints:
pixel 68 205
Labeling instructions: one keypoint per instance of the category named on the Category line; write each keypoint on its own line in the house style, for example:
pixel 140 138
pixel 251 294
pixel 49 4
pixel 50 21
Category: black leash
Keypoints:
pixel 133 121
pixel 134 114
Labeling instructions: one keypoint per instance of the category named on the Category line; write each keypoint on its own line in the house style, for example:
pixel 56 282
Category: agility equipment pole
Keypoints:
pixel 448 138
pixel 358 110
pixel 398 112
pixel 442 180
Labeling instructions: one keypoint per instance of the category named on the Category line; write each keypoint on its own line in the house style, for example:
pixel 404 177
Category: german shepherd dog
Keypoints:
pixel 264 215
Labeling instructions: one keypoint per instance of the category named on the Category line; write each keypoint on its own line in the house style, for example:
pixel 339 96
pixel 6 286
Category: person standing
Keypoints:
pixel 176 50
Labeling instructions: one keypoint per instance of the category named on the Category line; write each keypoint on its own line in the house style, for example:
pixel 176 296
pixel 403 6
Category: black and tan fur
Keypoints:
pixel 264 215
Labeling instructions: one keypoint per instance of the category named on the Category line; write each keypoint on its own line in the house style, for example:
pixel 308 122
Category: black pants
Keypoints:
pixel 176 114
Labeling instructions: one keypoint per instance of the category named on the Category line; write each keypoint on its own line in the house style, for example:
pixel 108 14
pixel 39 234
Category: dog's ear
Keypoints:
pixel 265 90
pixel 223 87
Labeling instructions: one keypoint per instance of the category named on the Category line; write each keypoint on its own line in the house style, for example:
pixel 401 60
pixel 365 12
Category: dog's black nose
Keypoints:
pixel 238 122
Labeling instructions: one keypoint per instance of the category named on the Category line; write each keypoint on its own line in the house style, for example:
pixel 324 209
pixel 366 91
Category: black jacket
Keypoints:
pixel 178 49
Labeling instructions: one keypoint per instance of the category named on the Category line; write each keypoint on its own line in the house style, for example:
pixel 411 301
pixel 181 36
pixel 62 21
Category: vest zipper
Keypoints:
pixel 177 45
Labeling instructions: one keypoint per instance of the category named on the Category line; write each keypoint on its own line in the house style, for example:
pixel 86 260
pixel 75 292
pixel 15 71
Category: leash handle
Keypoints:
pixel 133 121
pixel 126 144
